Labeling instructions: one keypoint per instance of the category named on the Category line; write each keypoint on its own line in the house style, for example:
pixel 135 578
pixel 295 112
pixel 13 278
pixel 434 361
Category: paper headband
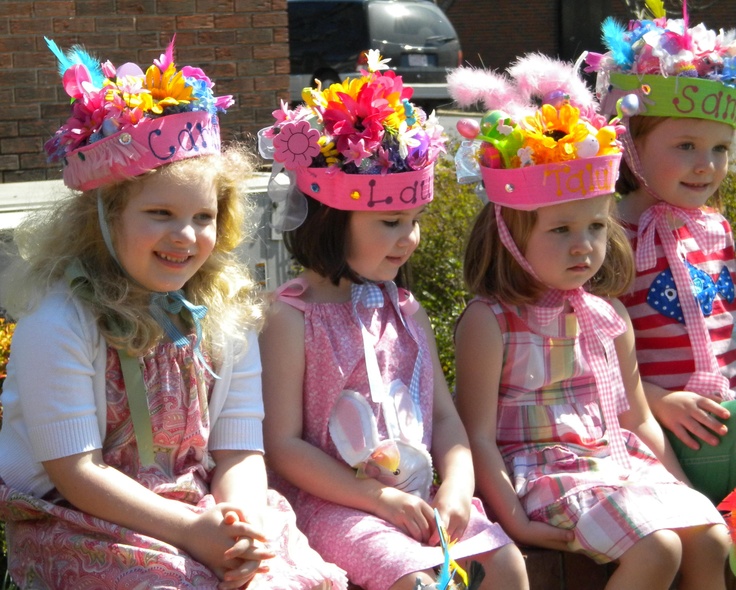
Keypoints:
pixel 673 96
pixel 551 184
pixel 367 192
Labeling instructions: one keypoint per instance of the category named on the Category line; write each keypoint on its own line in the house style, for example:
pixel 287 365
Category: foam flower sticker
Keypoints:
pixel 356 152
pixel 296 145
pixel 552 134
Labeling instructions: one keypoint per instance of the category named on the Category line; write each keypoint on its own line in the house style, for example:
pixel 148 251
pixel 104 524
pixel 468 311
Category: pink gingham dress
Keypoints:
pixel 553 439
pixel 374 553
pixel 90 553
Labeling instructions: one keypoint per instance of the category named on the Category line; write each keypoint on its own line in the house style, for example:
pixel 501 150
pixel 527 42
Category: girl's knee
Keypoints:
pixel 505 567
pixel 712 541
pixel 660 549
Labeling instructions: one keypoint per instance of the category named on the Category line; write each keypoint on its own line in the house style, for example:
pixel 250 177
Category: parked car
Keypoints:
pixel 328 40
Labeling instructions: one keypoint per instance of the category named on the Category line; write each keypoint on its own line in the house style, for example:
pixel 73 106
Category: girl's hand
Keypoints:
pixel 540 534
pixel 249 552
pixel 407 512
pixel 691 417
pixel 454 509
pixel 211 535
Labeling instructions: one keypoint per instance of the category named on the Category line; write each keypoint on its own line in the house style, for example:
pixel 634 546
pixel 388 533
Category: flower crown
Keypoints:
pixel 359 144
pixel 664 67
pixel 135 108
pixel 547 146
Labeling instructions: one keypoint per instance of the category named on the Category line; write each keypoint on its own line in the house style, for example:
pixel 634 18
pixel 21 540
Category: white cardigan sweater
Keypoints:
pixel 54 401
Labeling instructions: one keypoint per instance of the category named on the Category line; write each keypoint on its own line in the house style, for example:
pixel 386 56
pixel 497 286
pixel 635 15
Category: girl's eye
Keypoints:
pixel 391 222
pixel 597 226
pixel 159 212
pixel 205 217
pixel 721 149
pixel 687 145
pixel 559 230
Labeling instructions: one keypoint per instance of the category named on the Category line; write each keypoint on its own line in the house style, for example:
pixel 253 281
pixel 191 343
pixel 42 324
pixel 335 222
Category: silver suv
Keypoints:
pixel 328 41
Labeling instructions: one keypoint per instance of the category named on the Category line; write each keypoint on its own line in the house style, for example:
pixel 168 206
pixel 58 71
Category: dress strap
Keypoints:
pixel 291 292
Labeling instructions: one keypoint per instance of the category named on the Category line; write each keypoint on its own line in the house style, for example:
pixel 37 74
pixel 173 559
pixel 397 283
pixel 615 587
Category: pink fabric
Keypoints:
pixel 558 451
pixel 374 553
pixel 51 543
pixel 706 232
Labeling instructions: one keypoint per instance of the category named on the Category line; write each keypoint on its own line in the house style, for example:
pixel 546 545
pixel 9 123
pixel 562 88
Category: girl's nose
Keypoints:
pixel 184 233
pixel 582 244
pixel 411 237
pixel 705 163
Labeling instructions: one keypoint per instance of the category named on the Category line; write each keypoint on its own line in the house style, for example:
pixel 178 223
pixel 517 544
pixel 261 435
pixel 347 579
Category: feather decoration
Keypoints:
pixel 75 56
pixel 167 58
pixel 614 37
pixel 656 8
pixel 469 86
pixel 537 76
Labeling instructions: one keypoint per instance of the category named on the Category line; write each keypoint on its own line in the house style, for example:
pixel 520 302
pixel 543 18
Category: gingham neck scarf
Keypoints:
pixel 599 326
pixel 662 219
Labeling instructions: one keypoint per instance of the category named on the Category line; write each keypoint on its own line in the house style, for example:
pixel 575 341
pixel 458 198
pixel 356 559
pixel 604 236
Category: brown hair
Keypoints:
pixel 490 270
pixel 639 127
pixel 320 244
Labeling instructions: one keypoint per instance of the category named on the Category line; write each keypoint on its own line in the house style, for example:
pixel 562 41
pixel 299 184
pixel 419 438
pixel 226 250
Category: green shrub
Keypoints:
pixel 437 264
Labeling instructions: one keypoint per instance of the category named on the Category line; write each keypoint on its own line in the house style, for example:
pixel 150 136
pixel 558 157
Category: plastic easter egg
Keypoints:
pixel 588 147
pixel 489 123
pixel 490 157
pixel 468 128
pixel 630 105
pixel 556 98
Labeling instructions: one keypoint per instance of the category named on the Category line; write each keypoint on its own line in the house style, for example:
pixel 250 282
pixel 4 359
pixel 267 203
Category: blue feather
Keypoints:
pixel 614 37
pixel 77 55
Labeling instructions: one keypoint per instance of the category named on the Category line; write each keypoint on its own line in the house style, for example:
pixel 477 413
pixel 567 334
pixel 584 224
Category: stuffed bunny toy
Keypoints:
pixel 402 460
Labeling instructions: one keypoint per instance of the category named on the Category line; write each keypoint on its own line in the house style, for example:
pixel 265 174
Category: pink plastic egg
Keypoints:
pixel 490 157
pixel 468 128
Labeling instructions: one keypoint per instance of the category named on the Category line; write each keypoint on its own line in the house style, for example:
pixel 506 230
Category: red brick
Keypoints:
pixel 54 8
pixel 195 22
pixel 30 161
pixel 73 25
pixel 217 38
pixel 8 129
pixel 155 23
pixel 16 9
pixel 176 6
pixel 256 6
pixel 20 145
pixel 95 7
pixel 24 26
pixel 232 21
pixel 34 59
pixel 270 19
pixel 115 23
pixel 215 6
pixel 10 162
pixel 236 51
pixel 144 7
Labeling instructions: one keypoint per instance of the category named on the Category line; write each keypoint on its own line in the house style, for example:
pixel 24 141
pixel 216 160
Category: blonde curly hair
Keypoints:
pixel 53 242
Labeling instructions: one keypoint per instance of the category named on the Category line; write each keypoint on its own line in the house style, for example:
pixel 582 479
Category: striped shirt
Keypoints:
pixel 662 344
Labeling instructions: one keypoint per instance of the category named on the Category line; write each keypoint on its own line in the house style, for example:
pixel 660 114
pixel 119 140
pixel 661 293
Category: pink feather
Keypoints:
pixel 166 59
pixel 537 75
pixel 468 86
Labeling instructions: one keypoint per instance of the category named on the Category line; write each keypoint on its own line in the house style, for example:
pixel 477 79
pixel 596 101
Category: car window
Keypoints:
pixel 410 24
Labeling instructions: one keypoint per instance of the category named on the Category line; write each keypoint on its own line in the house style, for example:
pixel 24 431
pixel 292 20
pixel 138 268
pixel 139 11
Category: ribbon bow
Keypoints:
pixel 174 302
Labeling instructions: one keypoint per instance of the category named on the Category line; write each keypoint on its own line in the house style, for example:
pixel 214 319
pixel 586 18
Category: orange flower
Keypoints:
pixel 552 133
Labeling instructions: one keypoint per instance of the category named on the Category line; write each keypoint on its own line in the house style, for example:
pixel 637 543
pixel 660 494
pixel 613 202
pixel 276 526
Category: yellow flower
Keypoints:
pixel 328 150
pixel 167 89
pixel 552 134
pixel 6 335
pixel 349 86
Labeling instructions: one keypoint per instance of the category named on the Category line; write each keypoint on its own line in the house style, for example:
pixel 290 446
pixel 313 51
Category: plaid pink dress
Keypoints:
pixel 552 437
pixel 89 553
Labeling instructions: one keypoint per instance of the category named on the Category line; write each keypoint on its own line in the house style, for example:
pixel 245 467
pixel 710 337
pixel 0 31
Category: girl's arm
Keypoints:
pixel 102 491
pixel 450 449
pixel 303 464
pixel 239 479
pixel 639 418
pixel 479 359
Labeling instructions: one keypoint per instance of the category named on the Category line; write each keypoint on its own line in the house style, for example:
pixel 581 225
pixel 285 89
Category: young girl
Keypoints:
pixel 674 86
pixel 131 447
pixel 566 451
pixel 352 380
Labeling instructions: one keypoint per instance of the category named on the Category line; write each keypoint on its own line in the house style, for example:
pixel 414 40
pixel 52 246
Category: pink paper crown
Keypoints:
pixel 531 156
pixel 126 122
pixel 551 184
pixel 367 192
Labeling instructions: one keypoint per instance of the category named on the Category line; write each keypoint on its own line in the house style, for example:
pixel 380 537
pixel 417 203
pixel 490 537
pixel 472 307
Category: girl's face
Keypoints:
pixel 166 231
pixel 380 242
pixel 567 244
pixel 685 160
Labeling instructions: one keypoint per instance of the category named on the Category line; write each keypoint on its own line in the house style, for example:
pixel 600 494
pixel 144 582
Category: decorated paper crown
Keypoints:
pixel 125 122
pixel 663 67
pixel 548 146
pixel 359 145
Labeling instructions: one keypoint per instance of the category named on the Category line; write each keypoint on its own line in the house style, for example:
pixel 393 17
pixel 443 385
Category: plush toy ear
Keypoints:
pixel 408 416
pixel 353 428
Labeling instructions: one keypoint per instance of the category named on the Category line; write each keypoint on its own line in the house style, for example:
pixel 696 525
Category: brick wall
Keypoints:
pixel 494 32
pixel 241 44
